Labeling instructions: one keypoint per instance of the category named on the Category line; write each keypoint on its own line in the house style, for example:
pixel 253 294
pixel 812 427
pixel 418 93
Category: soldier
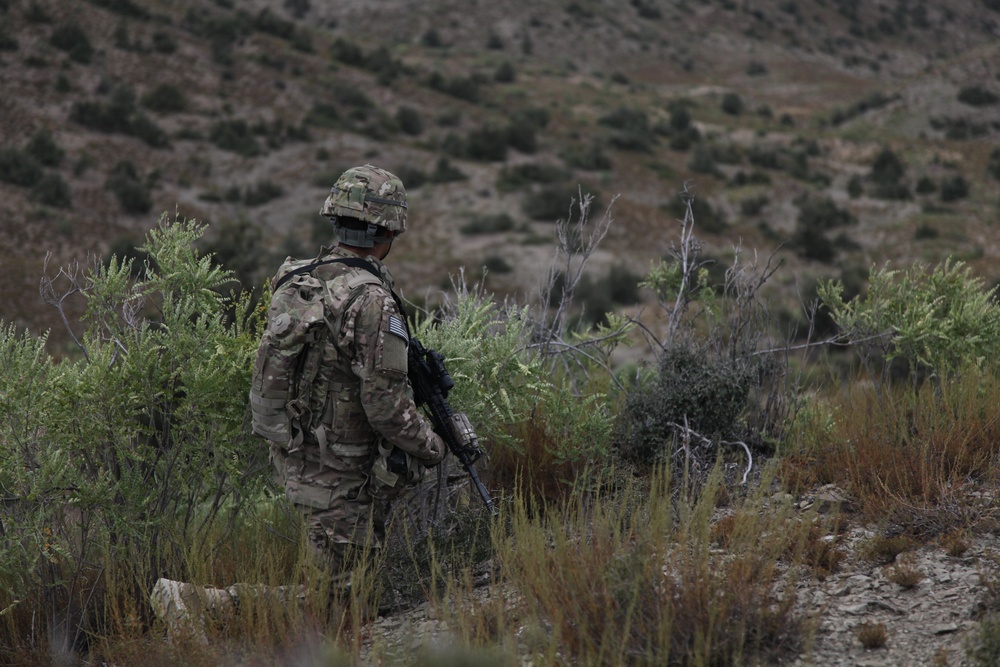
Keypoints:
pixel 349 465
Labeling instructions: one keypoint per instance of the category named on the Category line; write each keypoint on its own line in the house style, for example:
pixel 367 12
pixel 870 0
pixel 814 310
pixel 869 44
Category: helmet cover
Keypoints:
pixel 368 193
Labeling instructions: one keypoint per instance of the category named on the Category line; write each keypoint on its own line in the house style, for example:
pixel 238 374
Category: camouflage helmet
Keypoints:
pixel 369 194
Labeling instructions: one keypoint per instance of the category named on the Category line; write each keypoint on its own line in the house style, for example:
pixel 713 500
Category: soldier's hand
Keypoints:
pixel 436 450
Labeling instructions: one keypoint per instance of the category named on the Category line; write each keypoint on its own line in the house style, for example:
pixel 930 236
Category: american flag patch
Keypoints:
pixel 396 326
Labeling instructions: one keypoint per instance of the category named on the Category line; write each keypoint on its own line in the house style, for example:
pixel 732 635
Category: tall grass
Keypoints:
pixel 900 451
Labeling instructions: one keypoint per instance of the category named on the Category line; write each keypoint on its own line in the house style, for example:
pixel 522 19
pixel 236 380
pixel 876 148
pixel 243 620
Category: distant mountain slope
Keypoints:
pixel 850 132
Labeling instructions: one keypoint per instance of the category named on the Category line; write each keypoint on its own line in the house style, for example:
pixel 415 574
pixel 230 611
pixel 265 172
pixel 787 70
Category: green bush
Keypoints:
pixel 817 216
pixel 708 218
pixel 165 98
pixel 703 161
pixel 925 185
pixel 72 39
pixel 119 115
pixel 35 13
pixel 162 42
pixel 993 166
pixel 977 96
pixel 235 136
pixel 19 168
pixel 126 8
pixel 132 193
pixel 463 87
pixel 693 388
pixel 732 104
pixel 936 320
pixel 8 43
pixel 887 169
pixel 552 203
pixel 262 192
pixel 113 461
pixel 504 73
pixel 954 188
pixel 446 172
pixel 633 131
pixel 488 224
pixel 43 148
pixel 590 157
pixel 409 120
pixel 52 190
pixel 487 143
pixel 521 176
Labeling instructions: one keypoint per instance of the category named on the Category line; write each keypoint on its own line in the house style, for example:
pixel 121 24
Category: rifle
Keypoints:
pixel 431 383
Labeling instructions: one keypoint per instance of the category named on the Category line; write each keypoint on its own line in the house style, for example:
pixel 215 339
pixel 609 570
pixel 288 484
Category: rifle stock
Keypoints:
pixel 431 383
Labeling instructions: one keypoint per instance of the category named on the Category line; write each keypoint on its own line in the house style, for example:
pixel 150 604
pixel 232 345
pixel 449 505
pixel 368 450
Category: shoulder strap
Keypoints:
pixel 355 262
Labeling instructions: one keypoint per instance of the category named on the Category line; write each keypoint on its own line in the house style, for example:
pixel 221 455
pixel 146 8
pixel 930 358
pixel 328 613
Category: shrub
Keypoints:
pixel 925 185
pixel 504 73
pixel 52 190
pixel 411 176
pixel 43 148
pixel 496 264
pixel 19 168
pixel 993 166
pixel 703 161
pixel 954 188
pixel 119 115
pixel 8 43
pixel 487 143
pixel 524 175
pixel 409 120
pixel 72 39
pixel 488 224
pixel 133 195
pixel 732 104
pixel 126 8
pixel 235 136
pixel 139 404
pixel 940 319
pixel 977 96
pixel 165 98
pixel 887 169
pixel 633 128
pixel 693 388
pixel 35 13
pixel 590 157
pixel 162 42
pixel 463 87
pixel 446 172
pixel 816 217
pixel 552 203
pixel 261 193
pixel 709 219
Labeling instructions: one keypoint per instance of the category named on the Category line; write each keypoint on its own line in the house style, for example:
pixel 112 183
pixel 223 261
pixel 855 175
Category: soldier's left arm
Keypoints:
pixel 380 362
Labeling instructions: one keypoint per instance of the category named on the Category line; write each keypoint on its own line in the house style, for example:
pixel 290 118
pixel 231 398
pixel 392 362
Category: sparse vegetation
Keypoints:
pixel 263 108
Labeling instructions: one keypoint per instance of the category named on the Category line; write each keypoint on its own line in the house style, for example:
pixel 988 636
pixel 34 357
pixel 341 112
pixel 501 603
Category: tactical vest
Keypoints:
pixel 298 366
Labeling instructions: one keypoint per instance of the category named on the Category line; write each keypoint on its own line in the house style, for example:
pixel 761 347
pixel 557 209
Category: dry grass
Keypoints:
pixel 872 635
pixel 908 454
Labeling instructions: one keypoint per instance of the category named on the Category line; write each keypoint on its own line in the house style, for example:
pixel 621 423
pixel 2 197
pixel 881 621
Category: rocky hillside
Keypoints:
pixel 843 133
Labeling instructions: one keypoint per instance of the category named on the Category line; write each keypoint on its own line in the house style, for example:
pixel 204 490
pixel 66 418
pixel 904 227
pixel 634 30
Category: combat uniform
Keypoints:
pixel 329 478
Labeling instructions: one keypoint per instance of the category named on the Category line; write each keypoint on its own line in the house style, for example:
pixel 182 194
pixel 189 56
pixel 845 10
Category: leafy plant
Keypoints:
pixel 104 457
pixel 936 320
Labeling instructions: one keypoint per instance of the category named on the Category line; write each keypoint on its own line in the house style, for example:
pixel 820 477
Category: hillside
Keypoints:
pixel 846 133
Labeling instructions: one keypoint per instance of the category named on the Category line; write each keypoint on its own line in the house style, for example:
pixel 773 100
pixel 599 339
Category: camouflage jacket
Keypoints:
pixel 365 366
